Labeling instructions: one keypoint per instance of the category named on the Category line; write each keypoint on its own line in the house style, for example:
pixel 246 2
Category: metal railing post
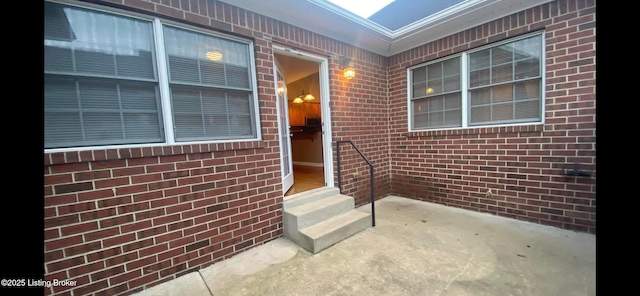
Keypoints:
pixel 371 177
pixel 339 174
pixel 373 209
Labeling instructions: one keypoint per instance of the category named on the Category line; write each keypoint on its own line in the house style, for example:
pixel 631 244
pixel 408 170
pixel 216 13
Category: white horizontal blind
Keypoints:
pixel 100 80
pixel 102 83
pixel 210 86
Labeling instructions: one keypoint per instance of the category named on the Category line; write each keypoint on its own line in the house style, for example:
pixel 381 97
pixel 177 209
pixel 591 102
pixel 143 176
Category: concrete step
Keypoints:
pixel 318 210
pixel 320 218
pixel 308 196
pixel 333 230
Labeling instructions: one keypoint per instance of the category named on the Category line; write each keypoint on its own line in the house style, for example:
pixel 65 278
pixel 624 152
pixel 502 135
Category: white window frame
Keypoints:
pixel 464 76
pixel 410 89
pixel 160 64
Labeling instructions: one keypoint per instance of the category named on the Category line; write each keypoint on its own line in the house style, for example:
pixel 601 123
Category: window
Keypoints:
pixel 436 95
pixel 211 96
pixel 103 82
pixel 500 84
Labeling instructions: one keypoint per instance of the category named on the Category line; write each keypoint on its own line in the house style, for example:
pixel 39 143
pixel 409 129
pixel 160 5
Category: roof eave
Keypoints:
pixel 325 18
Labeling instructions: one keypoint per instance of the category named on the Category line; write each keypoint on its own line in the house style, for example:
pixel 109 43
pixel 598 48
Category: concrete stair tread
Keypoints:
pixel 318 204
pixel 335 223
pixel 308 196
pixel 321 218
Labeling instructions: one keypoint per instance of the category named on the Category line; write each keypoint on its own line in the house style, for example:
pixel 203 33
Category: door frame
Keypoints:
pixel 325 110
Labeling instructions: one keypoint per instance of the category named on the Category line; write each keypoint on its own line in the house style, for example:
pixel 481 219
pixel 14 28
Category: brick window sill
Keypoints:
pixel 67 157
pixel 476 131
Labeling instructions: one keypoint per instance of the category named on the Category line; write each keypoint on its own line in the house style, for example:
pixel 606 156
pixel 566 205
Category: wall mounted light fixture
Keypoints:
pixel 348 71
pixel 280 87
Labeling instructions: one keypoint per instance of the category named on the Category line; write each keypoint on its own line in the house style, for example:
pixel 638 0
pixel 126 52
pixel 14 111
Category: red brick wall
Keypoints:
pixel 359 111
pixel 523 166
pixel 121 220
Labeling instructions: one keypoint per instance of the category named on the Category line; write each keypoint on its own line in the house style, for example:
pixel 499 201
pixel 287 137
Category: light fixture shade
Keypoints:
pixel 349 72
pixel 280 87
pixel 309 97
pixel 298 100
pixel 214 55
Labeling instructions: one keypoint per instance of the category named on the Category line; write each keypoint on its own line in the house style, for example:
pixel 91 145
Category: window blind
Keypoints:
pixel 210 86
pixel 100 80
pixel 102 86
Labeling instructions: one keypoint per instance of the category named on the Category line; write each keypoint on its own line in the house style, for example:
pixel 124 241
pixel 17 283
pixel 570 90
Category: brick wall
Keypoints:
pixel 360 114
pixel 118 219
pixel 121 220
pixel 523 166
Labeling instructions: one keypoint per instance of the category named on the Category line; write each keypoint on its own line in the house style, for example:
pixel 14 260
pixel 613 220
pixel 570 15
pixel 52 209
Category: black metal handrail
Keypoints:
pixel 373 209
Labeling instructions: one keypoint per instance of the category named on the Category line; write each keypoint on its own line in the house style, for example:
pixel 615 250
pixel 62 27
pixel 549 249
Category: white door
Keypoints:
pixel 283 130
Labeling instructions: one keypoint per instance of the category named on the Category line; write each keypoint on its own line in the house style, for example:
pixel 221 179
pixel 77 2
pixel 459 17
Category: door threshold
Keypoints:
pixel 310 191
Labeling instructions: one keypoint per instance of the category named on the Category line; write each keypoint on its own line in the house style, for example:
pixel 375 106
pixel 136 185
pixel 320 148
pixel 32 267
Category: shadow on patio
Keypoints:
pixel 416 248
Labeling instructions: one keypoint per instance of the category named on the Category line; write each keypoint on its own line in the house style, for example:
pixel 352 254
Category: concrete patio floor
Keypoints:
pixel 416 248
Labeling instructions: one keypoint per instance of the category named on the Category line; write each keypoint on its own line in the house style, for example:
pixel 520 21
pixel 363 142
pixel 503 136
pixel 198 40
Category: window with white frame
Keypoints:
pixel 437 95
pixel 495 85
pixel 103 82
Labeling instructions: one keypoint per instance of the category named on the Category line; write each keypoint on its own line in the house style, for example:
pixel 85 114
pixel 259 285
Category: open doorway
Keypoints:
pixel 305 103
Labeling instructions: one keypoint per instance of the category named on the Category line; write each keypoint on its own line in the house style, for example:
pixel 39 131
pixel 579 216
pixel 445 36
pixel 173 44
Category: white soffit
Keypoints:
pixel 330 20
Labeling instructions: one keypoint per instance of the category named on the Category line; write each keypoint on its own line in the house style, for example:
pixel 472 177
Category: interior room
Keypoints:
pixel 303 96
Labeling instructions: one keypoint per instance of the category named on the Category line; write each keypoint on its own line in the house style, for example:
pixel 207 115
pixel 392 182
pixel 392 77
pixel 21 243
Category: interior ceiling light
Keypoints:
pixel 214 55
pixel 309 97
pixel 304 96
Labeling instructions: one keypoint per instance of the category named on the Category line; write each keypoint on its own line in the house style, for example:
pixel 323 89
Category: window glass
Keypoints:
pixel 504 86
pixel 436 95
pixel 100 82
pixel 102 88
pixel 505 83
pixel 210 86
